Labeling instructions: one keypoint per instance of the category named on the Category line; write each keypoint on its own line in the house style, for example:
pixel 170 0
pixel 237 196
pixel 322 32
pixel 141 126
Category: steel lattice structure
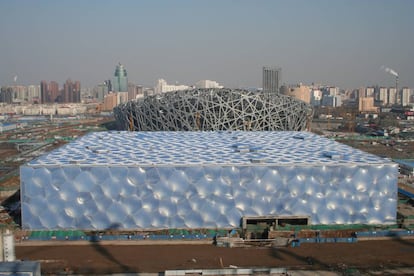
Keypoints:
pixel 214 109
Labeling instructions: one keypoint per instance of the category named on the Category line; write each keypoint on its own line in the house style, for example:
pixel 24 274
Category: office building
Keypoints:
pixel 120 82
pixel 271 79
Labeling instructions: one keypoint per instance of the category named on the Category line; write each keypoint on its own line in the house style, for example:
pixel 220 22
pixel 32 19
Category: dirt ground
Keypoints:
pixel 403 150
pixel 98 258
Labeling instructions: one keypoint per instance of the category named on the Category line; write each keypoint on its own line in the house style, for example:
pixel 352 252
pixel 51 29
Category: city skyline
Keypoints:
pixel 343 43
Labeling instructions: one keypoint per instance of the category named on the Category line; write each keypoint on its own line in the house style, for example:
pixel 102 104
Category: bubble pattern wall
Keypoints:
pixel 159 180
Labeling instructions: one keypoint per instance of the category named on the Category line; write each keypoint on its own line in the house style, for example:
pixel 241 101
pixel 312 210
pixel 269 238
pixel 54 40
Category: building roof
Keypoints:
pixel 232 148
pixel 406 162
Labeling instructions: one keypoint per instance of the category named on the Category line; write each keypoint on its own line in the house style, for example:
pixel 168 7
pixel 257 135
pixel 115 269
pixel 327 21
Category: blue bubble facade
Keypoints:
pixel 192 180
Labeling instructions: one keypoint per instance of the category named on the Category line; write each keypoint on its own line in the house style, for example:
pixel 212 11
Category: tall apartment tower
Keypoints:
pixel 120 83
pixel 53 88
pixel 271 79
pixel 71 92
pixel 44 92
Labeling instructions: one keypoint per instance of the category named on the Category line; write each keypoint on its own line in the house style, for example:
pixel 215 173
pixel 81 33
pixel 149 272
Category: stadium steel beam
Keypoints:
pixel 214 109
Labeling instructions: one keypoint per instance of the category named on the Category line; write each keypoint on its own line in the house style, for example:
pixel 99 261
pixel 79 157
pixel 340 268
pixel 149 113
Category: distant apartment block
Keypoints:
pixel 406 96
pixel 366 104
pixel 300 92
pixel 18 94
pixel 316 97
pixel 110 101
pixel 33 93
pixel 369 92
pixel 333 91
pixel 101 90
pixel 383 95
pixel 207 84
pixel 162 87
pixel 6 95
pixel 271 79
pixel 331 101
pixel 50 93
pixel 71 92
pixel 392 96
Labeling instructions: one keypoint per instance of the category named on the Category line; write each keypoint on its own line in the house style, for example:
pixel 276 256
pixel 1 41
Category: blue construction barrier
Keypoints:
pixel 385 233
pixel 95 238
pixel 328 240
pixel 406 193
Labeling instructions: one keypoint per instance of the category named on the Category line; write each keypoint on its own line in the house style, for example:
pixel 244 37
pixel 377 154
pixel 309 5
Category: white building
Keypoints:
pixel 383 95
pixel 163 87
pixel 333 101
pixel 122 97
pixel 208 84
pixel 316 97
pixel 33 93
pixel 405 96
pixel 392 95
pixel 369 92
pixel 333 91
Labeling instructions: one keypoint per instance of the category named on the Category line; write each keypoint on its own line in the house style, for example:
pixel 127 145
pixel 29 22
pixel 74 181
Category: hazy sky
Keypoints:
pixel 341 43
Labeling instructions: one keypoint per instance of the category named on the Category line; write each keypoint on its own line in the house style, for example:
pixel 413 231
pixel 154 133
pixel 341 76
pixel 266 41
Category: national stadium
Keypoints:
pixel 214 109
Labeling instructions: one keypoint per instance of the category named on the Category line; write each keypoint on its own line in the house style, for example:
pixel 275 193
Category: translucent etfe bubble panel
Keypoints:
pixel 159 180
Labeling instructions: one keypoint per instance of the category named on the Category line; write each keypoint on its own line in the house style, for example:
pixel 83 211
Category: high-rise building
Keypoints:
pixel 44 92
pixel 383 95
pixel 333 91
pixel 6 94
pixel 369 92
pixel 271 79
pixel 316 97
pixel 33 93
pixel 19 93
pixel 53 88
pixel 71 92
pixel 101 91
pixel 120 83
pixel 405 96
pixel 392 95
pixel 332 101
pixel 132 91
pixel 362 92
